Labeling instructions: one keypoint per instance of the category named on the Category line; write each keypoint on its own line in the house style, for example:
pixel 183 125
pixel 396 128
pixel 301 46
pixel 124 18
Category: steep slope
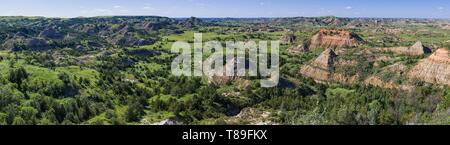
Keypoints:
pixel 416 50
pixel 91 33
pixel 223 78
pixel 321 68
pixel 434 69
pixel 192 22
pixel 329 67
pixel 288 38
pixel 334 38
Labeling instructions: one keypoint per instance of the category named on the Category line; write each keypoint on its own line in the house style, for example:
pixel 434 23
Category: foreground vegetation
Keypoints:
pixel 113 82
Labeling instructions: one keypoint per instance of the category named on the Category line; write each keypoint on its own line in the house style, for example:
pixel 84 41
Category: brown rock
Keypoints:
pixel 321 68
pixel 298 49
pixel 434 69
pixel 252 116
pixel 289 38
pixel 223 78
pixel 441 55
pixel 326 59
pixel 375 81
pixel 415 50
pixel 332 38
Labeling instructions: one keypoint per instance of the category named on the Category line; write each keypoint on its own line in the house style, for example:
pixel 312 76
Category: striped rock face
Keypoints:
pixel 327 38
pixel 434 69
pixel 321 68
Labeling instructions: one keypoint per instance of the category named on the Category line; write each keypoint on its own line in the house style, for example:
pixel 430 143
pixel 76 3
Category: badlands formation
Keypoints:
pixel 334 38
pixel 434 69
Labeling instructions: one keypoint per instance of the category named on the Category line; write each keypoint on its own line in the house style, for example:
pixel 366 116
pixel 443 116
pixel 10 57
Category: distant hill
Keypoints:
pixel 38 33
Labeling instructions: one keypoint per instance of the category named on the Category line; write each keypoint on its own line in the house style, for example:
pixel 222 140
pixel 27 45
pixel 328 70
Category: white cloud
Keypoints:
pixel 117 6
pixel 262 3
pixel 348 7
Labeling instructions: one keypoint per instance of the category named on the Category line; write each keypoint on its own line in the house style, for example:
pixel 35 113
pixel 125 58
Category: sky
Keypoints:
pixel 228 8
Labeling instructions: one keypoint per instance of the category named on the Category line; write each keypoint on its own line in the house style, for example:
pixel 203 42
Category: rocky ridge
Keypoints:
pixel 334 38
pixel 416 50
pixel 434 69
pixel 321 68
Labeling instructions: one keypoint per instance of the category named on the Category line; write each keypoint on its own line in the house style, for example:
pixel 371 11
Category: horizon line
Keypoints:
pixel 220 17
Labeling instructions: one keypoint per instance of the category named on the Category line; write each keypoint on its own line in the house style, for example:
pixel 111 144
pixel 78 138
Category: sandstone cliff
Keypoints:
pixel 434 69
pixel 330 38
pixel 321 68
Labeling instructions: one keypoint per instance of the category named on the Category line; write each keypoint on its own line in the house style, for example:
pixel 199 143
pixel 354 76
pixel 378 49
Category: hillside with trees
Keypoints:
pixel 116 71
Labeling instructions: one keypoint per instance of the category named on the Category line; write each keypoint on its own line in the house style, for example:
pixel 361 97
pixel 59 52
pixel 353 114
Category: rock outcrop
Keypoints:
pixel 153 26
pixel 142 42
pixel 288 38
pixel 334 38
pixel 90 29
pixel 223 78
pixel 376 81
pixel 434 69
pixel 129 31
pixel 252 116
pixel 192 22
pixel 445 26
pixel 298 49
pixel 416 50
pixel 321 68
pixel 418 47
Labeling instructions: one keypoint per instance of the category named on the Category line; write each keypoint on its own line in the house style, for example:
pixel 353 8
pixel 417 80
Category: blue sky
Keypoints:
pixel 228 8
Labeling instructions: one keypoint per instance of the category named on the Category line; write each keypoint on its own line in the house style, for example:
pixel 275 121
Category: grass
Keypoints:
pixel 4 53
pixel 41 74
pixel 188 37
pixel 79 72
pixel 155 117
pixel 36 73
pixel 151 67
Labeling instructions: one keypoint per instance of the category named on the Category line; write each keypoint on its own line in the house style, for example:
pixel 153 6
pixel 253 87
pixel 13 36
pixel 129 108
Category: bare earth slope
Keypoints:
pixel 434 69
pixel 331 38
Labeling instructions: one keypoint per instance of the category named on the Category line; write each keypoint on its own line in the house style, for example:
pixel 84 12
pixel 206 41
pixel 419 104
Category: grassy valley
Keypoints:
pixel 117 71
